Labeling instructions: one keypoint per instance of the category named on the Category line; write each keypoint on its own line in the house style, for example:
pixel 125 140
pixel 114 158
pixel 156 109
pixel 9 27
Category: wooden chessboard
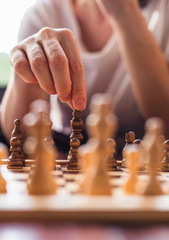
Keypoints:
pixel 68 203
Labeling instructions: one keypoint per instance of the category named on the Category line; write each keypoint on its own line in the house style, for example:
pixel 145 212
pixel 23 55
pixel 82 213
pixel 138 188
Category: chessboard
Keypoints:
pixel 69 204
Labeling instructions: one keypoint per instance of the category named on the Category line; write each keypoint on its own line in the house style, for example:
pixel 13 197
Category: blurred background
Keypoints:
pixel 11 13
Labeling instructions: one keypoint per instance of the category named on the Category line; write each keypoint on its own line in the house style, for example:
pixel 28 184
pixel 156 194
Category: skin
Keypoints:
pixel 43 59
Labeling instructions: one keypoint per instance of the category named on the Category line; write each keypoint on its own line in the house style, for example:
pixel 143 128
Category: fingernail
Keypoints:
pixel 80 104
pixel 64 98
pixel 53 92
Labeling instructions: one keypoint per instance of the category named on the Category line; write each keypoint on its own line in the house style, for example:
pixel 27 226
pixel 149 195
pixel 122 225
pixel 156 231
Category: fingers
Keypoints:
pixel 59 68
pixel 39 67
pixel 76 69
pixel 21 65
pixel 51 58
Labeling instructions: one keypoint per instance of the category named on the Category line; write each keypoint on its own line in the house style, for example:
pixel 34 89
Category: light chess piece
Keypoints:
pixel 154 154
pixel 133 154
pixel 129 139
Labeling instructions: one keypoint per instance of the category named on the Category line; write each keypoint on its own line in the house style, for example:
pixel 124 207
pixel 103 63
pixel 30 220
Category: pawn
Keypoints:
pixel 154 152
pixel 139 143
pixel 165 161
pixel 15 160
pixel 17 129
pixel 41 182
pixel 76 126
pixel 110 158
pixel 86 155
pixel 129 139
pixel 73 154
pixel 132 163
pixel 17 157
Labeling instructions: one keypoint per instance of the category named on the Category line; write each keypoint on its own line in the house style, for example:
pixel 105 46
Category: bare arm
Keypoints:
pixel 16 101
pixel 144 60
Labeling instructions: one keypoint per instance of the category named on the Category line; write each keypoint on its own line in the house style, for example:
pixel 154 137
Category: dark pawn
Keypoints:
pixel 73 154
pixel 137 141
pixel 16 150
pixel 129 139
pixel 17 130
pixel 76 126
pixel 15 160
pixel 165 161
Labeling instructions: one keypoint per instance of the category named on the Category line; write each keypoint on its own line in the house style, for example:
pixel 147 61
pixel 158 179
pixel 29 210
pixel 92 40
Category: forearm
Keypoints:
pixel 145 64
pixel 16 101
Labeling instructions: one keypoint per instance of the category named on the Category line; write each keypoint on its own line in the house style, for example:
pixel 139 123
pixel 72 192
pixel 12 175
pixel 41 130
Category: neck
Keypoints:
pixel 90 17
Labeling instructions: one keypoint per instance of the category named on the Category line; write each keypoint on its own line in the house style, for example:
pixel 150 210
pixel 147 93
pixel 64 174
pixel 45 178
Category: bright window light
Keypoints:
pixel 11 12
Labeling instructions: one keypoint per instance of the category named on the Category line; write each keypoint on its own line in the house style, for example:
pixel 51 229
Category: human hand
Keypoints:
pixel 51 58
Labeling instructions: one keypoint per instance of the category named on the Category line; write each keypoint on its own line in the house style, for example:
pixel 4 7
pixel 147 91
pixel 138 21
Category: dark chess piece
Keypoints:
pixel 17 130
pixel 76 125
pixel 73 158
pixel 17 158
pixel 110 156
pixel 138 141
pixel 165 161
pixel 129 139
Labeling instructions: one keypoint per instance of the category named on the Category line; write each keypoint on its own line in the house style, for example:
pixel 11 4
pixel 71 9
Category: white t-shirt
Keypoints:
pixel 104 70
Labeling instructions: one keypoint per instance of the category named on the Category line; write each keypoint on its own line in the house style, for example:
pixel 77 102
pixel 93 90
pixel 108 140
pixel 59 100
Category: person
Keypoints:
pixel 68 50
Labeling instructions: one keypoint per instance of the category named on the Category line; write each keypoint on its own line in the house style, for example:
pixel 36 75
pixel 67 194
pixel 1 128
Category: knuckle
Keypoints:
pixel 76 67
pixel 67 33
pixel 38 62
pixel 58 60
pixel 14 50
pixel 45 32
pixel 20 65
pixel 29 40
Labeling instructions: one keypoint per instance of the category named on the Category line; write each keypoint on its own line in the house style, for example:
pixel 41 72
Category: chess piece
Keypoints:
pixel 52 150
pixel 132 154
pixel 86 155
pixel 129 139
pixel 139 142
pixel 165 161
pixel 17 129
pixel 101 123
pixel 110 156
pixel 73 155
pixel 40 181
pixel 39 107
pixel 17 158
pixel 76 125
pixel 154 154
